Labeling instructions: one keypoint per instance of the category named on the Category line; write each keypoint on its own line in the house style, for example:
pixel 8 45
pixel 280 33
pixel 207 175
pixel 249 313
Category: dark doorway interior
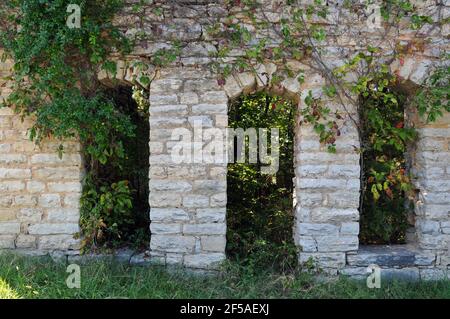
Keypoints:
pixel 260 206
pixel 134 167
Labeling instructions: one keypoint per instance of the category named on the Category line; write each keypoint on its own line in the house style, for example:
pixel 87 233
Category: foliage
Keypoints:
pixel 384 138
pixel 260 209
pixel 318 115
pixel 386 185
pixel 123 181
pixel 434 97
pixel 43 279
pixel 56 68
pixel 55 78
pixel 105 212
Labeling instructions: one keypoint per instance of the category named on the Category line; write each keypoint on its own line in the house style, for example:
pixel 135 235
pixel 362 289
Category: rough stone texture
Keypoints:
pixel 390 256
pixel 39 193
pixel 430 165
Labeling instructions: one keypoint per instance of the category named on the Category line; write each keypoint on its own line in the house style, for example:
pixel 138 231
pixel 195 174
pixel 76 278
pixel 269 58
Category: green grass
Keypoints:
pixel 42 278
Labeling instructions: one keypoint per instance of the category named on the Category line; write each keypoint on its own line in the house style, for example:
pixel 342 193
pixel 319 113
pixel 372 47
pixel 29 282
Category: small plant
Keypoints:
pixel 105 211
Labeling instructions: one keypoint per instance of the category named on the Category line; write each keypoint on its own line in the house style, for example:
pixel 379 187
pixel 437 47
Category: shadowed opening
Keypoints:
pixel 260 212
pixel 117 199
pixel 385 216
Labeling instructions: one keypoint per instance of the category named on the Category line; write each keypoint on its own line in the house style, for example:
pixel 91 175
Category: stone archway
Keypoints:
pixel 188 202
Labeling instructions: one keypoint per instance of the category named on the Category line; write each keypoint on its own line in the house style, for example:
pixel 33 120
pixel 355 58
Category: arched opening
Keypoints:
pixel 115 208
pixel 260 209
pixel 386 210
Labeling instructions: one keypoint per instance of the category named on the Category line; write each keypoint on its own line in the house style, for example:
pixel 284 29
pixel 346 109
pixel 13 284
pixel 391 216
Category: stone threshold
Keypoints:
pixel 390 256
pixel 124 256
pixel 397 262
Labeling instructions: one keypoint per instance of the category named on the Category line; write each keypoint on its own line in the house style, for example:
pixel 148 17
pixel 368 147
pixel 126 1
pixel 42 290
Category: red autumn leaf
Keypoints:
pixel 389 193
pixel 399 125
pixel 402 61
pixel 331 140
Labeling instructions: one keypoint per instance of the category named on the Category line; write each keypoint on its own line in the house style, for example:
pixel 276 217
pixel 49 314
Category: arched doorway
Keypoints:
pixel 260 181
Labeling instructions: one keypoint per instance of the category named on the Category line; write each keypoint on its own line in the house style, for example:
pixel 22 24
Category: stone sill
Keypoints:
pixel 397 262
pixel 390 256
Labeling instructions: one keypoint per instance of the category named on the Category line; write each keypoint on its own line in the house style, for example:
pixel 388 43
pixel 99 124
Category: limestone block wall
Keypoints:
pixel 39 193
pixel 433 180
pixel 187 200
pixel 326 185
pixel 327 189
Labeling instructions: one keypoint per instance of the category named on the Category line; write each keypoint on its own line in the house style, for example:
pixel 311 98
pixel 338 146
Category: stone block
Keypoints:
pixel 317 229
pixel 337 243
pixel 51 229
pixel 193 201
pixel 211 215
pixel 7 241
pixel 9 228
pixel 204 261
pixel 323 260
pixel 31 215
pixel 172 243
pixel 204 229
pixel 50 200
pixel 168 215
pixel 213 243
pixel 58 242
pixel 160 228
pixel 433 274
pixel 26 241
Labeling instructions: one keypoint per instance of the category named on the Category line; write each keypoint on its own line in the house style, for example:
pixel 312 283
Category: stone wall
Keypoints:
pixel 188 201
pixel 39 193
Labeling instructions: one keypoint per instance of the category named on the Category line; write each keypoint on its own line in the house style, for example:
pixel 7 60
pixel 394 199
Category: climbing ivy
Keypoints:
pixel 433 99
pixel 363 85
pixel 386 184
pixel 55 79
pixel 56 68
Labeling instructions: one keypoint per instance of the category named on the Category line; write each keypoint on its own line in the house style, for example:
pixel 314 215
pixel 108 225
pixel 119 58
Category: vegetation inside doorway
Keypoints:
pixel 115 209
pixel 387 187
pixel 260 206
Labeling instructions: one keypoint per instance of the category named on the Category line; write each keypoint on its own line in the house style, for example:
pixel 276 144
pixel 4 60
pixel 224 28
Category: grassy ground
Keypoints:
pixel 41 278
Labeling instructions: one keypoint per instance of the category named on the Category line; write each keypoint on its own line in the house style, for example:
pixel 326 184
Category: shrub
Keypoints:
pixel 386 183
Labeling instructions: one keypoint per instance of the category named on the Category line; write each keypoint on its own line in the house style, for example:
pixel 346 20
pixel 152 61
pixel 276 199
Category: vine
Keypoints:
pixel 55 78
pixel 56 68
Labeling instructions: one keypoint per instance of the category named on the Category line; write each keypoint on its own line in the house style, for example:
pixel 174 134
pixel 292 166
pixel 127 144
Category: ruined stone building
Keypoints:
pixel 39 193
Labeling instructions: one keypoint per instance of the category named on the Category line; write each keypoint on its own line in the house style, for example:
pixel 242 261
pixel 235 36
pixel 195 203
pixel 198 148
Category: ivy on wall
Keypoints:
pixel 55 76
